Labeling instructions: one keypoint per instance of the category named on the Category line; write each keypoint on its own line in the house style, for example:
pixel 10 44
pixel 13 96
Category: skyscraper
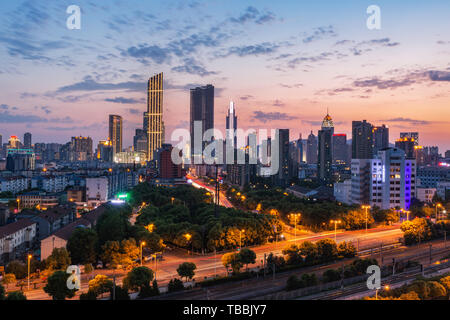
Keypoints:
pixel 14 142
pixel 115 132
pixel 380 138
pixel 27 140
pixel 140 141
pixel 406 144
pixel 155 114
pixel 231 124
pixel 413 135
pixel 362 140
pixel 325 154
pixel 284 160
pixel 202 109
pixel 339 148
pixel 311 149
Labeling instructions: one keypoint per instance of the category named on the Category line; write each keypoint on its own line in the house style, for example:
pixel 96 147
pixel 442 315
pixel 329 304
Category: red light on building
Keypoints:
pixel 339 135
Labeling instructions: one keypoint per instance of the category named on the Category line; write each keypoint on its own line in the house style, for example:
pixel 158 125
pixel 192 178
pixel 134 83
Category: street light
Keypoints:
pixel 295 216
pixel 28 280
pixel 438 205
pixel 188 237
pixel 142 244
pixel 240 238
pixel 336 222
pixel 18 203
pixel 386 288
pixel 366 208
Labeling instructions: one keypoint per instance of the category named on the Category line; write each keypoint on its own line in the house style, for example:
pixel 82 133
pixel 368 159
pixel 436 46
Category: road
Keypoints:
pixel 223 201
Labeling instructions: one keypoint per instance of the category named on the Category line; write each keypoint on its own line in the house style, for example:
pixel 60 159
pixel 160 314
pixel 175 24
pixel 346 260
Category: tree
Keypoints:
pixel 90 295
pixel 293 282
pixel 331 275
pixel 416 230
pixel 100 284
pixel 186 270
pixel 446 283
pixel 356 219
pixel 247 256
pixel 57 286
pixel 232 260
pixel 88 268
pixel 17 268
pixel 138 279
pixel 129 252
pixel 82 246
pixel 16 295
pixel 2 293
pixel 111 254
pixel 8 279
pixel 119 294
pixel 326 250
pixel 436 289
pixel 175 285
pixel 346 249
pixel 292 255
pixel 58 260
pixel 308 251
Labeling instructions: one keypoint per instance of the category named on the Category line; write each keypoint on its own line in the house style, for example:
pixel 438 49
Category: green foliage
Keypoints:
pixel 191 212
pixel 58 260
pixel 346 249
pixel 2 293
pixel 306 280
pixel 120 293
pixel 124 253
pixel 417 230
pixel 232 260
pixel 175 285
pixel 16 296
pixel 100 284
pixel 247 256
pixel 114 224
pixel 356 219
pixel 292 255
pixel 138 279
pixel 57 286
pixel 186 270
pixel 90 295
pixel 9 278
pixel 326 250
pixel 17 268
pixel 308 250
pixel 82 246
pixel 88 268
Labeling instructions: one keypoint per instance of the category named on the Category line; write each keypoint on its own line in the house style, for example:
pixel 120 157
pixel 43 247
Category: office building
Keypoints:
pixel 412 135
pixel 380 138
pixel 155 115
pixel 325 154
pixel 362 140
pixel 201 109
pixel 311 149
pixel 27 140
pixel 407 144
pixel 340 148
pixel 115 132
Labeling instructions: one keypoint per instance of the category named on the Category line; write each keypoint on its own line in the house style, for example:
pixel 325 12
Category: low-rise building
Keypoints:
pixel 16 238
pixel 342 191
pixel 14 184
pixel 40 200
pixel 425 194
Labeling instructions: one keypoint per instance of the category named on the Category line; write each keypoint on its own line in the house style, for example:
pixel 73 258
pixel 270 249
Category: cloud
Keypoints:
pixel 89 84
pixel 191 66
pixel 251 14
pixel 384 84
pixel 272 116
pixel 291 86
pixel 250 50
pixel 124 100
pixel 439 75
pixel 409 121
pixel 319 33
pixel 278 103
pixel 7 117
pixel 318 58
pixel 134 111
pixel 156 53
pixel 246 97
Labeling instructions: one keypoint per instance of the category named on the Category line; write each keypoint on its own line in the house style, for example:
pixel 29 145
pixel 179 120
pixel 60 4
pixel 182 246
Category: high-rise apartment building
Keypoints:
pixel 27 140
pixel 311 149
pixel 412 135
pixel 408 145
pixel 115 132
pixel 201 109
pixel 325 154
pixel 155 114
pixel 380 138
pixel 362 140
pixel 285 169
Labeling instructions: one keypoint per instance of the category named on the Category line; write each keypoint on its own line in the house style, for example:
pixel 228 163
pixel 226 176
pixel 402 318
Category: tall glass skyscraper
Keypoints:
pixel 202 109
pixel 115 132
pixel 325 155
pixel 155 114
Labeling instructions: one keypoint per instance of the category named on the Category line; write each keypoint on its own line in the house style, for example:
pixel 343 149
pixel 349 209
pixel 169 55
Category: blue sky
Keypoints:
pixel 283 63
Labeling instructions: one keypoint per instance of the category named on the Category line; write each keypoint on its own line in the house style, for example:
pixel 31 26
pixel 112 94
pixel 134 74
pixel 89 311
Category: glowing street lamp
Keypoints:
pixel 142 244
pixel 386 288
pixel 366 208
pixel 295 216
pixel 336 222
pixel 240 238
pixel 438 205
pixel 150 227
pixel 28 280
pixel 188 237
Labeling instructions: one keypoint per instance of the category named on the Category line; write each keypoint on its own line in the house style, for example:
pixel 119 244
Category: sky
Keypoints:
pixel 283 63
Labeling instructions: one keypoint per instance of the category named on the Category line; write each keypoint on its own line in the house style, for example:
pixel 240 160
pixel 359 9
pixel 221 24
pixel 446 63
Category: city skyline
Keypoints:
pixel 282 64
